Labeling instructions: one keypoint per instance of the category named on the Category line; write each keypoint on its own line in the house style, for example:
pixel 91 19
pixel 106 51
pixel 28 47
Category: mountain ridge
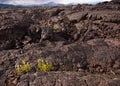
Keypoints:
pixel 45 4
pixel 6 5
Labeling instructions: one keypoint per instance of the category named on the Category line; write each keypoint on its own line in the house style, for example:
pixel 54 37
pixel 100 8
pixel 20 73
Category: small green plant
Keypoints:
pixel 80 26
pixel 44 65
pixel 19 70
pixel 24 68
pixel 55 28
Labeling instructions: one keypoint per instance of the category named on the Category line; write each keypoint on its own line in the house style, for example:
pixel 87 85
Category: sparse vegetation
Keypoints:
pixel 81 26
pixel 24 68
pixel 44 65
pixel 55 28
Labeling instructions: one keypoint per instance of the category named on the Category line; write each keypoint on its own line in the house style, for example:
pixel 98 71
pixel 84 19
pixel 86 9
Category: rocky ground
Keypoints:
pixel 83 45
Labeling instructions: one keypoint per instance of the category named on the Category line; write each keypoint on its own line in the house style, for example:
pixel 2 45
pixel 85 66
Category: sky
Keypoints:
pixel 36 2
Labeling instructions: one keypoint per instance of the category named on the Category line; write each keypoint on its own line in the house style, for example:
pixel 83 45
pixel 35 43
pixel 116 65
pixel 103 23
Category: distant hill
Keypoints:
pixel 6 5
pixel 46 4
pixel 52 4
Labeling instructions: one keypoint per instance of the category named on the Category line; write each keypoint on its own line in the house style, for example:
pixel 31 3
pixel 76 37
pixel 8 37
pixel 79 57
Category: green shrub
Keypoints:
pixel 44 65
pixel 55 28
pixel 24 68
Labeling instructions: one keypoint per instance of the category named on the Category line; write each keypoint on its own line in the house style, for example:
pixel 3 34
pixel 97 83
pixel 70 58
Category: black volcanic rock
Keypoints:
pixel 116 0
pixel 81 40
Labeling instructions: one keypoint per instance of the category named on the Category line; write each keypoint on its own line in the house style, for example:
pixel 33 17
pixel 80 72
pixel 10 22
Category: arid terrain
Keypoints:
pixel 82 42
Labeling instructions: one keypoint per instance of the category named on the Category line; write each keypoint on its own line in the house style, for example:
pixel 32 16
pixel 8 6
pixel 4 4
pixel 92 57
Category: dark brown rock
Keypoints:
pixel 77 16
pixel 81 40
pixel 54 11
